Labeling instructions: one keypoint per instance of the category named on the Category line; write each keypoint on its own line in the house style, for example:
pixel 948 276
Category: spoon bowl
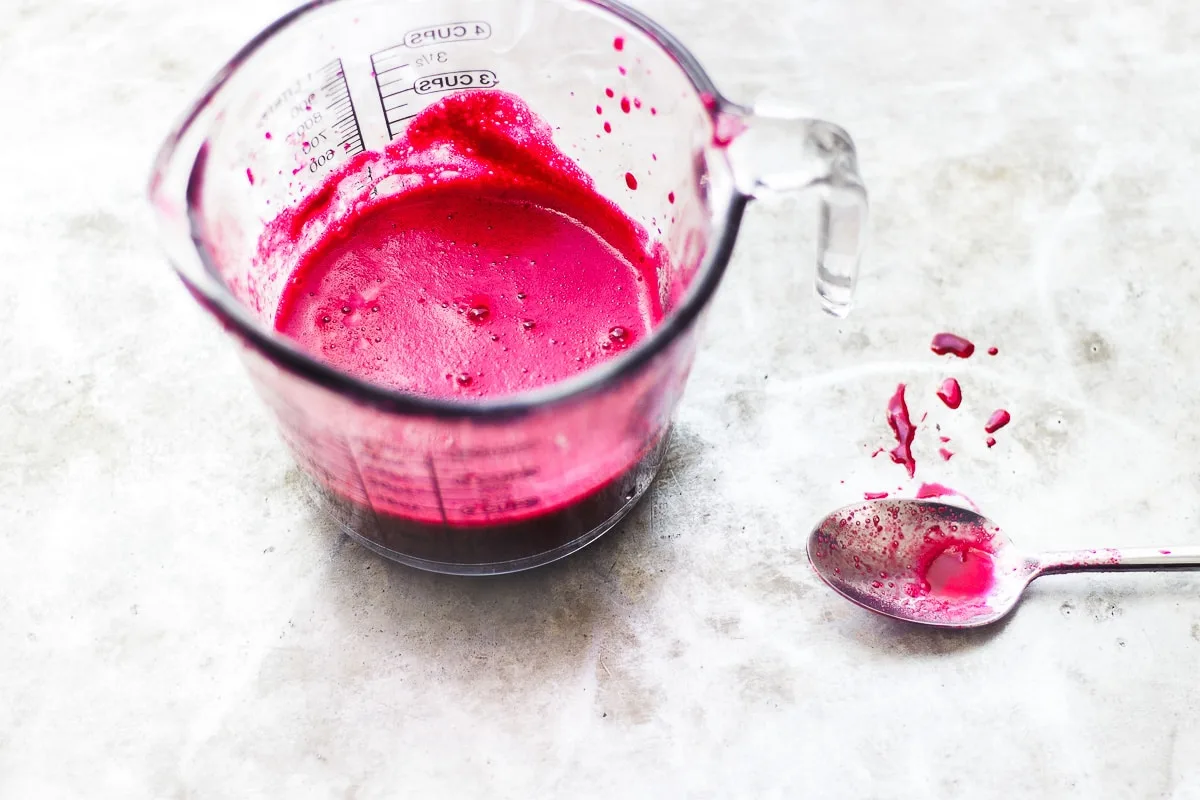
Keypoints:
pixel 920 561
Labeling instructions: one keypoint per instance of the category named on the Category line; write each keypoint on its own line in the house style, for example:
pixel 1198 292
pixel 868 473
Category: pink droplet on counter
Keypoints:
pixel 630 181
pixel 945 454
pixel 997 420
pixel 951 344
pixel 928 490
pixel 993 351
pixel 950 393
pixel 901 425
pixel 619 43
pixel 625 104
pixel 874 495
pixel 250 176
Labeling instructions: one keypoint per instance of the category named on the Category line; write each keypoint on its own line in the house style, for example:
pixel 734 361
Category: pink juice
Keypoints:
pixel 491 267
pixel 466 292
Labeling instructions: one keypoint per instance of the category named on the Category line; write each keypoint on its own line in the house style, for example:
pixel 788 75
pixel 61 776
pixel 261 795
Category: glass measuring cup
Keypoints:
pixel 505 483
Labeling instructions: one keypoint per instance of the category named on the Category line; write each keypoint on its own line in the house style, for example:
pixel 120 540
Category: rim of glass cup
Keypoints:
pixel 219 300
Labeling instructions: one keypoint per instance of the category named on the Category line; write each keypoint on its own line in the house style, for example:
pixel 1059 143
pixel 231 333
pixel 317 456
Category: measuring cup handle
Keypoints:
pixel 777 154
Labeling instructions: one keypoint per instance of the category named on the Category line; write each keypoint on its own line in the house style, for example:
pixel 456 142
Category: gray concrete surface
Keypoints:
pixel 176 622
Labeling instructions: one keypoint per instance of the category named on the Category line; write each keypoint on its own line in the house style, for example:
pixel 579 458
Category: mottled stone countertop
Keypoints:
pixel 177 622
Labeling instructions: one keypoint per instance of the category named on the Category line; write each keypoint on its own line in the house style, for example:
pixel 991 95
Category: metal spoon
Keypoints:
pixel 942 565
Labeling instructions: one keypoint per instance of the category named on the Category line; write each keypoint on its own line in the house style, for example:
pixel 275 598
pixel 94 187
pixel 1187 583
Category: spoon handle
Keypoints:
pixel 1116 560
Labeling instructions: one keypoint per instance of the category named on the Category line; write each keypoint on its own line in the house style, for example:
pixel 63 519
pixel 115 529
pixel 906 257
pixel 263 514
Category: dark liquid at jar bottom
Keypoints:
pixel 533 539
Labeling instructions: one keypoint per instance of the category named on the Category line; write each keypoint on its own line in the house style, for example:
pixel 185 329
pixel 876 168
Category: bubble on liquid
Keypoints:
pixel 463 379
pixel 478 313
pixel 374 309
pixel 528 324
pixel 495 338
pixel 346 309
pixel 619 336
pixel 520 295
pixel 326 318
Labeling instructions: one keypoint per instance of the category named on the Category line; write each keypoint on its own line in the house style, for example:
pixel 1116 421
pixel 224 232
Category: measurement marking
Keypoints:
pixel 389 69
pixel 390 52
pixel 401 79
pixel 397 92
pixel 396 107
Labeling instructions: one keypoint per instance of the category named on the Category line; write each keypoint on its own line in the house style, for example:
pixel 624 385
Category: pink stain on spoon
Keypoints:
pixel 959 570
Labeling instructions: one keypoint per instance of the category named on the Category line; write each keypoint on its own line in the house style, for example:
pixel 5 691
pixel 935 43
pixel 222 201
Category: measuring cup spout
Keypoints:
pixel 782 153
